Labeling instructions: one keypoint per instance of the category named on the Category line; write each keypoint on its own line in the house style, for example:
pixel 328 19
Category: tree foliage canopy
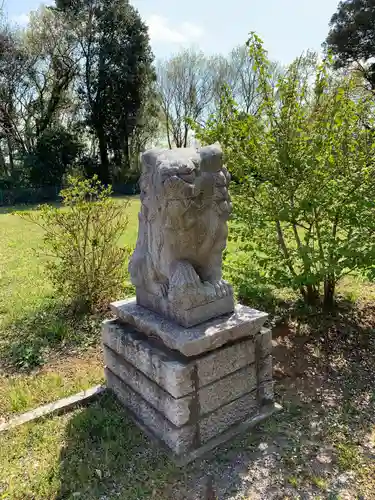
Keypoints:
pixel 305 172
pixel 55 151
pixel 116 58
pixel 83 65
pixel 351 38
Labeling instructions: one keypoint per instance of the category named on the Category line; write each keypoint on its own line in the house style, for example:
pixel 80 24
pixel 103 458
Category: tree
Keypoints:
pixel 116 73
pixel 147 129
pixel 13 61
pixel 86 263
pixel 55 151
pixel 185 89
pixel 238 74
pixel 53 66
pixel 243 80
pixel 305 168
pixel 36 70
pixel 351 37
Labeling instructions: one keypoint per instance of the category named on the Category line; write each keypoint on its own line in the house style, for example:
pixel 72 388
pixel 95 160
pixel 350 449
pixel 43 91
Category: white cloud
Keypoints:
pixel 161 31
pixel 193 30
pixel 21 19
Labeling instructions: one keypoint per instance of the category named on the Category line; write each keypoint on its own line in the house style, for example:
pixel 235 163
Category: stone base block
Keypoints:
pixel 197 340
pixel 221 439
pixel 211 308
pixel 190 404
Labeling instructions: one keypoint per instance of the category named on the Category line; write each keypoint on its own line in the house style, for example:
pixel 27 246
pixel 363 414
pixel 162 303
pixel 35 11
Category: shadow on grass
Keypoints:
pixel 10 209
pixel 52 328
pixel 106 456
pixel 317 446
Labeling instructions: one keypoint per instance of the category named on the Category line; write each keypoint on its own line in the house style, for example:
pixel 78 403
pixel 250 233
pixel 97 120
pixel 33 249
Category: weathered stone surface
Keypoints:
pixel 265 369
pixel 224 437
pixel 192 368
pixel 265 392
pixel 166 367
pixel 57 407
pixel 162 366
pixel 186 317
pixel 177 264
pixel 233 364
pixel 228 359
pixel 175 410
pixel 228 415
pixel 182 439
pixel 178 439
pixel 180 411
pixel 216 386
pixel 230 388
pixel 227 389
pixel 203 450
pixel 264 342
pixel 197 339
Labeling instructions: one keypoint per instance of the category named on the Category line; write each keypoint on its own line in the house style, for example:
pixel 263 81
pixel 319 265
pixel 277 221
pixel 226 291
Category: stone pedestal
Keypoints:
pixel 190 388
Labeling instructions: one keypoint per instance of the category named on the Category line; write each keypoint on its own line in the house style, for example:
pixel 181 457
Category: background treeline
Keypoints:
pixel 81 92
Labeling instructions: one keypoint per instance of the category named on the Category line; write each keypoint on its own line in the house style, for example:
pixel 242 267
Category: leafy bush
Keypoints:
pixel 87 264
pixel 305 174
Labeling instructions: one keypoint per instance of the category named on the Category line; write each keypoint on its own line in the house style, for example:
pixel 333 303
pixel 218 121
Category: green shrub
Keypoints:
pixel 86 264
pixel 304 174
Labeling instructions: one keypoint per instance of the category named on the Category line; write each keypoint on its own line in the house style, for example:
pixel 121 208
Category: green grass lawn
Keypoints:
pixel 325 379
pixel 89 453
pixel 35 329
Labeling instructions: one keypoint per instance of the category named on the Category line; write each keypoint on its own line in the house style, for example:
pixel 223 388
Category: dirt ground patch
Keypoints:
pixel 323 443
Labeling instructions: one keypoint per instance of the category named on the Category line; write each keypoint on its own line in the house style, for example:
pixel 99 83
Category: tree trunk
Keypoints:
pixel 186 136
pixel 10 154
pixel 329 292
pixel 103 174
pixel 3 167
pixel 126 153
pixel 168 131
pixel 177 140
pixel 312 295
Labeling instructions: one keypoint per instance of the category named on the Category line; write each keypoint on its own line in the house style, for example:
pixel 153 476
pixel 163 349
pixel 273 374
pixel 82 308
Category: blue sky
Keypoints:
pixel 287 27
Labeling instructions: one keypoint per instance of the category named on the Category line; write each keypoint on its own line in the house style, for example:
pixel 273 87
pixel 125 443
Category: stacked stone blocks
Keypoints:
pixel 189 403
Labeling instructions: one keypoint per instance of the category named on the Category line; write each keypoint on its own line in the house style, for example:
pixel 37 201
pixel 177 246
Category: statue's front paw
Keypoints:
pixel 222 288
pixel 164 289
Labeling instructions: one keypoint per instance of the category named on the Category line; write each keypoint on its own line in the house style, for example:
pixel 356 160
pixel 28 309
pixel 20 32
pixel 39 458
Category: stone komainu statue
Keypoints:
pixel 177 263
